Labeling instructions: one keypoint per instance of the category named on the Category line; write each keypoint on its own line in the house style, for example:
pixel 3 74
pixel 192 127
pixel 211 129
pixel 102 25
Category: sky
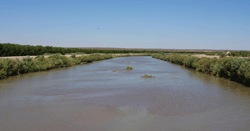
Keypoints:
pixel 167 24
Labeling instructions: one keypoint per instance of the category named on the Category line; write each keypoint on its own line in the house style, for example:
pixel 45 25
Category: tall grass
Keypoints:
pixel 233 68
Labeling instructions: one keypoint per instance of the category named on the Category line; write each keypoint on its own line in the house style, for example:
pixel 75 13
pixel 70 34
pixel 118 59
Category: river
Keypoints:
pixel 91 97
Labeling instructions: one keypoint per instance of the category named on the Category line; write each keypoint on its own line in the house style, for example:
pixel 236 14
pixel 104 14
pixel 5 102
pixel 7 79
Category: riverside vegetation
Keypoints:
pixel 11 67
pixel 233 68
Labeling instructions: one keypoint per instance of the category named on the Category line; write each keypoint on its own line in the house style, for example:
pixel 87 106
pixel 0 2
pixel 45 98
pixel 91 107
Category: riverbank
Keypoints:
pixel 233 68
pixel 14 66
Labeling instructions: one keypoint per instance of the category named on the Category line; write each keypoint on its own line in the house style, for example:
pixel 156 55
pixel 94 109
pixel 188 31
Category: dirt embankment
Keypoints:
pixel 204 55
pixel 208 56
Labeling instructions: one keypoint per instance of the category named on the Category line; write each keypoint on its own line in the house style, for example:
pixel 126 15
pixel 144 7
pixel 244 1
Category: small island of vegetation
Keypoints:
pixel 148 76
pixel 127 68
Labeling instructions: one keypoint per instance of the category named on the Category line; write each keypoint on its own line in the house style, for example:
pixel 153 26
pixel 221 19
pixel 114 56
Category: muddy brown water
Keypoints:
pixel 93 98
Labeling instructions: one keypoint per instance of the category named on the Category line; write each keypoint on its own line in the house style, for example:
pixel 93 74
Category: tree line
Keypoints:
pixel 8 49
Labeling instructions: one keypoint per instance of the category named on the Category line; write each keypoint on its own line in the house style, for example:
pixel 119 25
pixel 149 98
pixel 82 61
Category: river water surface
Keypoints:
pixel 93 98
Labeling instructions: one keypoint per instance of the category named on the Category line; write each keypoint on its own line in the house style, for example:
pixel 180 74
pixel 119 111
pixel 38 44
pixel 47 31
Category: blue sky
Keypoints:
pixel 171 24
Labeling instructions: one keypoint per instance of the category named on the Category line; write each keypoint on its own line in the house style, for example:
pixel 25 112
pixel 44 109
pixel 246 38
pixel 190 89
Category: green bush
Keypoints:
pixel 13 67
pixel 204 65
pixel 222 55
pixel 190 62
pixel 244 71
pixel 40 57
pixel 3 69
pixel 73 56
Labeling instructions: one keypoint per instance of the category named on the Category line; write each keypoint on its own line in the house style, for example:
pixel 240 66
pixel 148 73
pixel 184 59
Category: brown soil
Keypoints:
pixel 204 55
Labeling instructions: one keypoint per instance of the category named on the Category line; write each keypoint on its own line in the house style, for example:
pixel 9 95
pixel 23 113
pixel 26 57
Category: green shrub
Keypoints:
pixel 13 67
pixel 40 57
pixel 27 59
pixel 244 71
pixel 222 55
pixel 73 56
pixel 203 65
pixel 3 69
pixel 190 62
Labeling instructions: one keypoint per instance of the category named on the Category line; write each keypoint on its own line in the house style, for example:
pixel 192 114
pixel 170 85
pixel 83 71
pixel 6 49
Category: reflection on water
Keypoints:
pixel 92 97
pixel 229 87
